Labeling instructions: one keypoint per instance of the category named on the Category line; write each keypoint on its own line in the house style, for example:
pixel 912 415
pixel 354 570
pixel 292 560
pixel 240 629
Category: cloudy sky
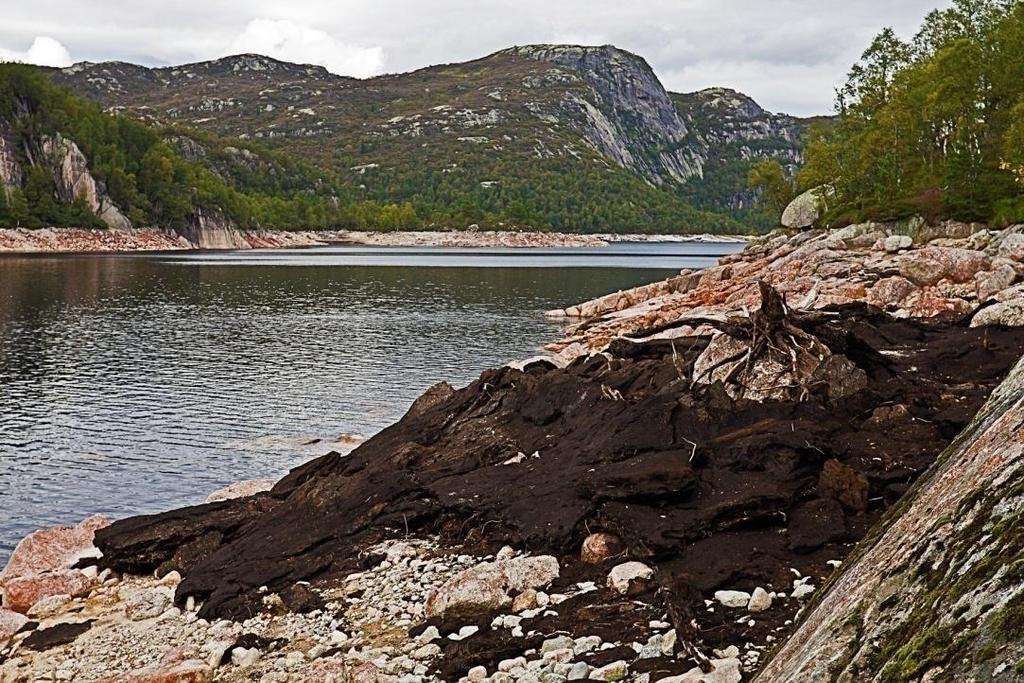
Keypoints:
pixel 788 54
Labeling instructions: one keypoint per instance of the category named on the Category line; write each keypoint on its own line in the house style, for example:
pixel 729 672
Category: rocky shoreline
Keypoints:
pixel 75 240
pixel 663 499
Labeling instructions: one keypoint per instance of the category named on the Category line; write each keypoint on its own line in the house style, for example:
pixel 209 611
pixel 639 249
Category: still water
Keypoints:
pixel 137 383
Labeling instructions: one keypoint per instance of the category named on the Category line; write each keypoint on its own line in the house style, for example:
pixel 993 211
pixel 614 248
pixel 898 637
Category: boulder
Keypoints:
pixel 895 243
pixel 48 606
pixel 929 265
pixel 146 603
pixel 950 230
pixel 22 593
pixel 891 293
pixel 760 600
pixel 990 282
pixel 804 211
pixel 1011 244
pixel 1008 313
pixel 598 548
pixel 616 671
pixel 525 600
pixel 489 586
pixel 53 549
pixel 628 577
pixel 858 236
pixel 722 671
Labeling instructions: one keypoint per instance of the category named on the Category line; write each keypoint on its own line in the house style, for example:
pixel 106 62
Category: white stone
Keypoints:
pixel 894 243
pixel 464 632
pixel 733 598
pixel 760 600
pixel 616 671
pixel 429 633
pixel 477 674
pixel 241 656
pixel 624 575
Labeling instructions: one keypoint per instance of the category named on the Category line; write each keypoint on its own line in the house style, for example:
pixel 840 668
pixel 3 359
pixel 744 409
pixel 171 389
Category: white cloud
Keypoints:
pixel 44 51
pixel 293 42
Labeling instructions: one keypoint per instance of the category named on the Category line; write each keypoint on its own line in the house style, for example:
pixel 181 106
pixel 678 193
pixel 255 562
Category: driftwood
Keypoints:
pixel 775 354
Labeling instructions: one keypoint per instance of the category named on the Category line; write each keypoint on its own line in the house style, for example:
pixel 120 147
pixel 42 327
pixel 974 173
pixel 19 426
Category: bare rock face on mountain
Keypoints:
pixel 211 229
pixel 936 591
pixel 634 121
pixel 729 130
pixel 10 169
pixel 73 180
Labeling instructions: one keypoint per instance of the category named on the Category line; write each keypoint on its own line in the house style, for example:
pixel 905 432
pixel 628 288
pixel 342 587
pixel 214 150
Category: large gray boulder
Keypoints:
pixel 804 211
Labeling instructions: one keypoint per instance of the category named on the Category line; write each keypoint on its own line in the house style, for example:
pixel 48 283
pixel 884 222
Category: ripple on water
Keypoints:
pixel 134 384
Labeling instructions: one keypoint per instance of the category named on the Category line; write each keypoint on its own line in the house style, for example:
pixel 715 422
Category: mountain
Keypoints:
pixel 729 131
pixel 548 136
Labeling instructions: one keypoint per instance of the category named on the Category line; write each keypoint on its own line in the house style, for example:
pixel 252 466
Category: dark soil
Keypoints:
pixel 714 493
pixel 61 634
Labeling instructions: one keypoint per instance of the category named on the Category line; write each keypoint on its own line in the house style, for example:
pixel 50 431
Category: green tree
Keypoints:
pixel 929 130
pixel 775 186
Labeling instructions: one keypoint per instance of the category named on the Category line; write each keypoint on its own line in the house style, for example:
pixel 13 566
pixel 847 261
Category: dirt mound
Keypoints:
pixel 713 491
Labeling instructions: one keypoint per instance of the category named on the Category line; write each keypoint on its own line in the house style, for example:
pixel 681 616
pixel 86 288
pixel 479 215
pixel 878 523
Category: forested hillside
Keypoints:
pixel 64 162
pixel 933 126
pixel 545 137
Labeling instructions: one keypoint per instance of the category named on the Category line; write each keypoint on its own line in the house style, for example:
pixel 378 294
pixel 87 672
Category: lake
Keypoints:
pixel 135 383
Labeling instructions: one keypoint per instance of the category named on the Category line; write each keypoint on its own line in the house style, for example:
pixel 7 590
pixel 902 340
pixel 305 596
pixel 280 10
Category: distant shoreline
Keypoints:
pixel 78 240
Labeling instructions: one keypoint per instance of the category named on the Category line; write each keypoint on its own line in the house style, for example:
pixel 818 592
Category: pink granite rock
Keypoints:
pixel 55 549
pixel 23 592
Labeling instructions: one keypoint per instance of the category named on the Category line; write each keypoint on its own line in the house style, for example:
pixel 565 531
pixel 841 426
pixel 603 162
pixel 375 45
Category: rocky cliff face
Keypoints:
pixel 729 131
pixel 10 169
pixel 937 590
pixel 210 229
pixel 72 179
pixel 629 116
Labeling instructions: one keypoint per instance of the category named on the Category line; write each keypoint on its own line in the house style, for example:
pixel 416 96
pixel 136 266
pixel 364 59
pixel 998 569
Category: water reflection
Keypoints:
pixel 136 383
